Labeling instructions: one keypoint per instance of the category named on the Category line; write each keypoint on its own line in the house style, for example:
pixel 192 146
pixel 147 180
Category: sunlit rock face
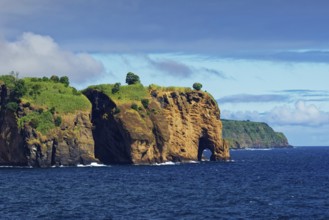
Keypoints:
pixel 175 126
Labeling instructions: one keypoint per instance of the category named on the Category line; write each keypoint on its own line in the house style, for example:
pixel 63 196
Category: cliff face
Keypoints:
pixel 69 145
pixel 174 126
pixel 11 142
pixel 247 134
pixel 21 143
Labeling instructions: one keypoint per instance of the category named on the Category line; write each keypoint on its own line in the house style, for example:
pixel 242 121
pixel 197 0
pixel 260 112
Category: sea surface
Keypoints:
pixel 255 184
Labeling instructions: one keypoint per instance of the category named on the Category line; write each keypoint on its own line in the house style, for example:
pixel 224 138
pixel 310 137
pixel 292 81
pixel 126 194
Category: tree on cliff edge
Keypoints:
pixel 132 78
pixel 197 86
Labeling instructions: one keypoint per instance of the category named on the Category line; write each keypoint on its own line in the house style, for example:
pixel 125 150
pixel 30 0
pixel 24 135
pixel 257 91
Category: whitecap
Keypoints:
pixel 166 163
pixel 192 161
pixel 93 164
pixel 252 149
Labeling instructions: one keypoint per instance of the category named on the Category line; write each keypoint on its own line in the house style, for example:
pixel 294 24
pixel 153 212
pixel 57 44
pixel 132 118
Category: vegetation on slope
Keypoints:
pixel 45 101
pixel 47 94
pixel 247 134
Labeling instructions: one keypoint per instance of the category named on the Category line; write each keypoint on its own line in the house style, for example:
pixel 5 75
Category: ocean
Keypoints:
pixel 255 184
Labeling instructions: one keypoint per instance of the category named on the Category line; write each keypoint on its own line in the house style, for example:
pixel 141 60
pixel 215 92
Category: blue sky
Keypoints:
pixel 262 60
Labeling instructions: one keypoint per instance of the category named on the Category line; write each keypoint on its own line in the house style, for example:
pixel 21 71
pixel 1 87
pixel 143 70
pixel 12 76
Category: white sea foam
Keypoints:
pixel 192 161
pixel 174 163
pixel 166 163
pixel 93 164
pixel 16 167
pixel 259 149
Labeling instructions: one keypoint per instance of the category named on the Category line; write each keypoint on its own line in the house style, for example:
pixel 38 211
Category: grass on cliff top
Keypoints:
pixel 48 94
pixel 135 92
pixel 8 80
pixel 127 93
pixel 169 89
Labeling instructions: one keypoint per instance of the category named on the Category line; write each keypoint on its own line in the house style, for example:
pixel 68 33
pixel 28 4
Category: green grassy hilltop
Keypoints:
pixel 45 102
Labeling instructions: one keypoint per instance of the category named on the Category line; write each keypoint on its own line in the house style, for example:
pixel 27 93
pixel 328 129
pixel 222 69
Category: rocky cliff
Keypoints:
pixel 247 134
pixel 34 133
pixel 44 122
pixel 155 125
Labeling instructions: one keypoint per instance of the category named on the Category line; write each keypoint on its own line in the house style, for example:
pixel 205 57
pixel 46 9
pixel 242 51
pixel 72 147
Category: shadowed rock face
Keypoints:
pixel 70 144
pixel 11 142
pixel 174 127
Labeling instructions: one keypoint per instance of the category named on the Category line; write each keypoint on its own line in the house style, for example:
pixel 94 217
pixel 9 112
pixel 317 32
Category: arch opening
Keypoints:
pixel 205 149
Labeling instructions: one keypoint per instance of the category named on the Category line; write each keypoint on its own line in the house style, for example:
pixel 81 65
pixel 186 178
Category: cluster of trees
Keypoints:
pixel 63 79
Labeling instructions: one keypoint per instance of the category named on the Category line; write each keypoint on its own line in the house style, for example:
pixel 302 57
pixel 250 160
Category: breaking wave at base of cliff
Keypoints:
pixel 93 164
pixel 15 167
pixel 174 163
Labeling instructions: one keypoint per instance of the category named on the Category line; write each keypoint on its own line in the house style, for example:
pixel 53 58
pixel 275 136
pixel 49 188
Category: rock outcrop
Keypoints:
pixel 174 126
pixel 23 145
pixel 247 134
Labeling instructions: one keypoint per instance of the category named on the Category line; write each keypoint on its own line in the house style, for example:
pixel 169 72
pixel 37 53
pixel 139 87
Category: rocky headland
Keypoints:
pixel 248 134
pixel 45 122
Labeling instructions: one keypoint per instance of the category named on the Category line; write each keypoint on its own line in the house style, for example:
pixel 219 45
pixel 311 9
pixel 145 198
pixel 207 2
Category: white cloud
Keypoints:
pixel 300 114
pixel 37 55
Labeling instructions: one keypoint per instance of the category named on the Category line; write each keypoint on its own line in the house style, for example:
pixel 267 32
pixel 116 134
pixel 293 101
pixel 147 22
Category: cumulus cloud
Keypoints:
pixel 37 55
pixel 300 114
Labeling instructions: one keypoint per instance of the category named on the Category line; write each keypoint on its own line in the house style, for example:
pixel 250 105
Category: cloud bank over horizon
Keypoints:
pixel 301 114
pixel 37 55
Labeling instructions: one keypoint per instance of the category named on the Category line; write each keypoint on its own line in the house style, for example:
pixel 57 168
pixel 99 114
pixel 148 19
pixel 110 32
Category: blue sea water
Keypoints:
pixel 256 184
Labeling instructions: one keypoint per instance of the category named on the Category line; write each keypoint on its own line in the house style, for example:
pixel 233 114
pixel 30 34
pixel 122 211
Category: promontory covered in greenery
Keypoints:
pixel 248 134
pixel 45 122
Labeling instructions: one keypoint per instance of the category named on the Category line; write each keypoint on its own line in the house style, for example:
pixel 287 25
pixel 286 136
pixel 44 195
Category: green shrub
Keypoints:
pixel 134 106
pixel 58 121
pixel 145 102
pixel 52 110
pixel 65 80
pixel 116 88
pixel 54 78
pixel 197 86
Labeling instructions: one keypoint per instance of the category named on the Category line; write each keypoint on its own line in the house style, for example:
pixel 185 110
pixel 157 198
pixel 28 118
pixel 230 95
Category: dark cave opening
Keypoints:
pixel 205 149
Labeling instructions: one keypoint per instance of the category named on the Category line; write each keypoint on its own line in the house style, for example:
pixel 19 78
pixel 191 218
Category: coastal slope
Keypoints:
pixel 248 134
pixel 44 122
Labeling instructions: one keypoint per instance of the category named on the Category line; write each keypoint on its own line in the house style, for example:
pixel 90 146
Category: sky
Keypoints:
pixel 263 61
